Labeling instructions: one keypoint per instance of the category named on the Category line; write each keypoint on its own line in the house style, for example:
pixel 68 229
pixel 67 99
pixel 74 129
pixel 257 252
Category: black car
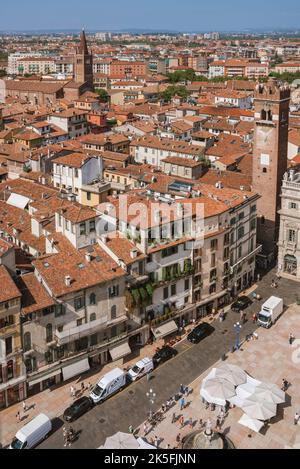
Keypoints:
pixel 242 303
pixel 200 332
pixel 78 408
pixel 163 355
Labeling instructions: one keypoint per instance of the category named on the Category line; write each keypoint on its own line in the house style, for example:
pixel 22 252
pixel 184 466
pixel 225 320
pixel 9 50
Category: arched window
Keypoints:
pixel 263 115
pixel 113 312
pixel 93 317
pixel 49 333
pixel 270 116
pixel 265 170
pixel 27 341
pixel 92 299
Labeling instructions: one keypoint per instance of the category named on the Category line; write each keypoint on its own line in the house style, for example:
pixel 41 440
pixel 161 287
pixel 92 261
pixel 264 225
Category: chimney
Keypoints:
pixel 88 257
pixel 68 280
pixel 133 253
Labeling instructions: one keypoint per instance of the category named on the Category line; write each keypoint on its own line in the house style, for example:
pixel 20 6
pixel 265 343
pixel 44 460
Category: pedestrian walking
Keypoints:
pixel 182 404
pixel 145 428
pixel 218 424
pixel 90 386
pixel 156 441
pixel 296 418
pixel 174 417
pixel 82 387
pixel 258 277
pixel 291 338
pixel 187 391
pixel 18 417
pixel 178 438
pixel 24 406
pixel 181 390
pixel 72 391
pixel 181 421
pixel 168 446
pixel 131 429
pixel 254 318
pixel 191 423
pixel 284 384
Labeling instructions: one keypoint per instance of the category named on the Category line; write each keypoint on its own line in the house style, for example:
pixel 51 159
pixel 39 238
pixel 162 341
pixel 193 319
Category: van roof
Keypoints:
pixel 114 374
pixel 30 428
pixel 143 362
pixel 272 302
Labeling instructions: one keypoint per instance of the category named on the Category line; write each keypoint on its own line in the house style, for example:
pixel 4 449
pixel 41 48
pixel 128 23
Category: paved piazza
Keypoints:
pixel 270 358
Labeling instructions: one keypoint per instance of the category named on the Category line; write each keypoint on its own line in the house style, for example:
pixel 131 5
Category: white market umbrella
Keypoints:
pixel 217 391
pixel 259 410
pixel 252 424
pixel 121 441
pixel 270 393
pixel 231 373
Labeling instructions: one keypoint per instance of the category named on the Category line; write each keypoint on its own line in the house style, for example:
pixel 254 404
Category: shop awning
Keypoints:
pixel 165 329
pixel 18 201
pixel 75 369
pixel 43 378
pixel 120 351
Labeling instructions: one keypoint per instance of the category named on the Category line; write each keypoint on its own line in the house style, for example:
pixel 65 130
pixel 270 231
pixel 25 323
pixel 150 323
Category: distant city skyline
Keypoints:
pixel 166 15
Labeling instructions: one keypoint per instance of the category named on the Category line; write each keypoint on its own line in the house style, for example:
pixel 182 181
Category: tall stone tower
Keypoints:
pixel 271 103
pixel 84 63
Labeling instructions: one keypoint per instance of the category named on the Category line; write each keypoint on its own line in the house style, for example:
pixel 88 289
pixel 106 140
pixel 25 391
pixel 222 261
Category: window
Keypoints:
pixel 293 205
pixel 169 252
pixel 173 289
pixel 93 317
pixel 113 291
pixel 292 236
pixel 213 275
pixel 88 196
pixel 113 312
pixel 92 226
pixel 265 170
pixel 92 299
pixel 241 215
pixel 27 341
pixel 79 322
pixel 49 333
pixel 241 232
pixel 166 293
pixel 187 284
pixel 253 224
pixel 10 370
pixel 214 244
pixel 240 252
pixel 79 303
pixel 94 340
pixel 82 229
pixel 60 310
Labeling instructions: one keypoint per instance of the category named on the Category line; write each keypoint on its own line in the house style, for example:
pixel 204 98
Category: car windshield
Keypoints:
pixel 16 444
pixel 263 318
pixel 97 390
pixel 135 370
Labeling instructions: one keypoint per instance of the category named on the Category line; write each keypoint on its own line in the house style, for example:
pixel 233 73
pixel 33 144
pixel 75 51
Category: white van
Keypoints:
pixel 270 312
pixel 111 383
pixel 142 368
pixel 33 433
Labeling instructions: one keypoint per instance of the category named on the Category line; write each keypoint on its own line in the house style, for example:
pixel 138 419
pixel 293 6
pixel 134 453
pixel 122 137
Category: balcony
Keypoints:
pixel 88 329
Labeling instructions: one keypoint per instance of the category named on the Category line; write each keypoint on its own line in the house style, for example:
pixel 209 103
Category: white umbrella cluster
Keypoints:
pixel 230 383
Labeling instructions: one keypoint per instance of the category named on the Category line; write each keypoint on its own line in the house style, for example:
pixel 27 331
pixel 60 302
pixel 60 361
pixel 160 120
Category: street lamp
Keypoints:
pixel 237 328
pixel 151 396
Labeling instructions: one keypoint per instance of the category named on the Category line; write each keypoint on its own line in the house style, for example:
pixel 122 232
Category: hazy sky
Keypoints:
pixel 189 15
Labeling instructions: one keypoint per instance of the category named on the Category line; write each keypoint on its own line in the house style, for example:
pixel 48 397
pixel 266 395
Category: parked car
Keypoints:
pixel 142 368
pixel 163 355
pixel 242 303
pixel 77 409
pixel 32 433
pixel 200 332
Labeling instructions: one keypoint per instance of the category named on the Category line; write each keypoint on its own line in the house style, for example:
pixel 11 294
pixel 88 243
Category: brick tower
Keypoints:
pixel 84 63
pixel 271 103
